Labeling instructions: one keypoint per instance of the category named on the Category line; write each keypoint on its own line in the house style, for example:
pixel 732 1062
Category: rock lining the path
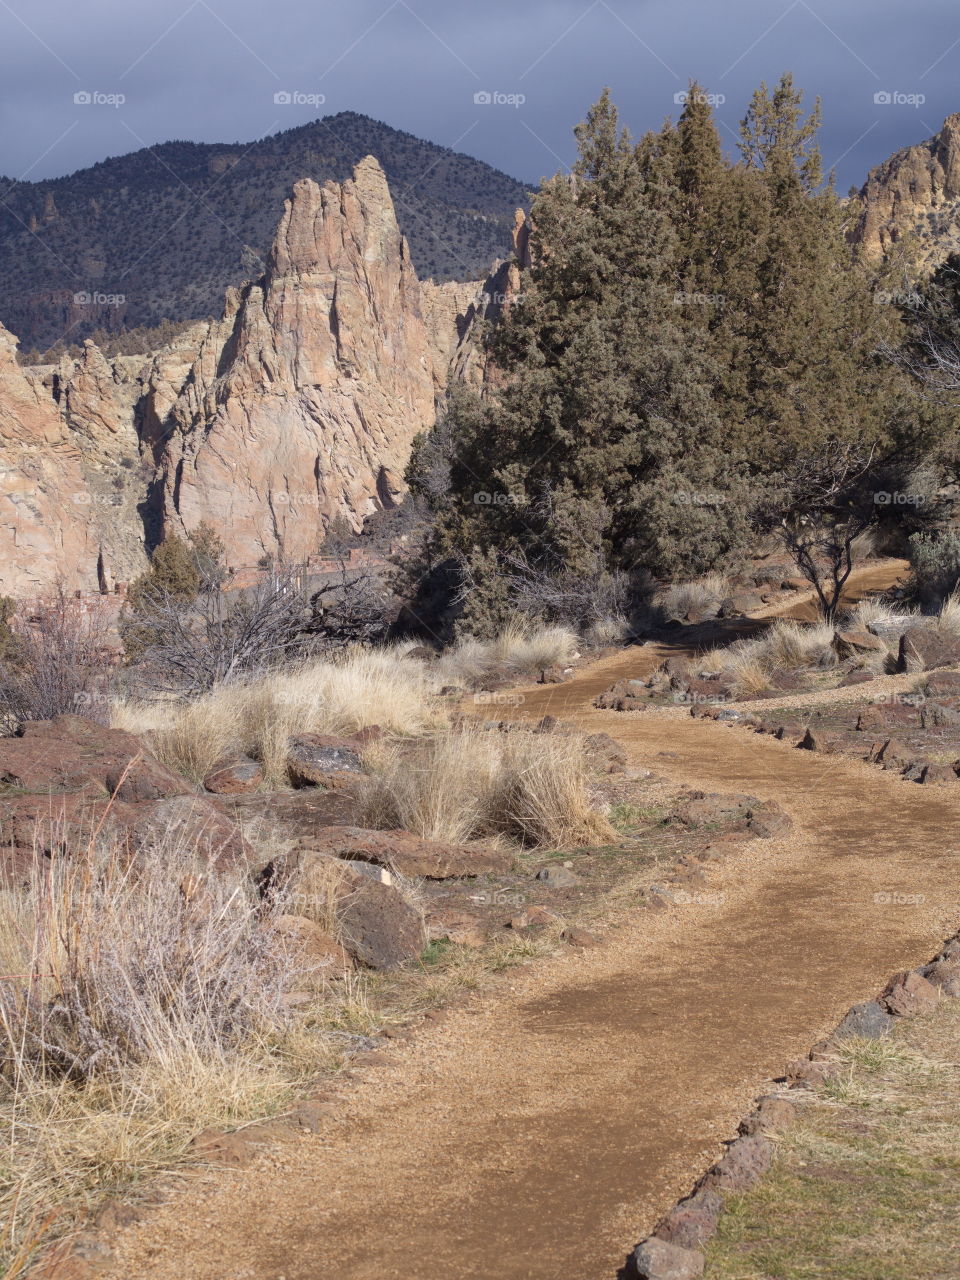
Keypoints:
pixel 674 1249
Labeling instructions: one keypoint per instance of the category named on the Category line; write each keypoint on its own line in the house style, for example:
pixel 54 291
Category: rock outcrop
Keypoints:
pixel 298 406
pixel 322 374
pixel 912 202
pixel 45 524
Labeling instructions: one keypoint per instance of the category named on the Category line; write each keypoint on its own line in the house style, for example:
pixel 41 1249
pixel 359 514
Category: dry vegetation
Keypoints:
pixel 466 783
pixel 372 686
pixel 518 651
pixel 140 1003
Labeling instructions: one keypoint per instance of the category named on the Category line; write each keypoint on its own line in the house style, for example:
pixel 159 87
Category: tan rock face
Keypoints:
pixel 297 406
pixel 45 526
pixel 912 201
pixel 327 372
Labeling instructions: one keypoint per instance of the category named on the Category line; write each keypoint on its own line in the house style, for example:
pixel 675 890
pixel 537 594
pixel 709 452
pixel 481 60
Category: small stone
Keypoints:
pixel 746 1161
pixel 772 1115
pixel 659 1260
pixel 945 974
pixel 907 994
pixel 693 1221
pixel 869 1020
pixel 577 937
pixel 557 877
pixel 234 775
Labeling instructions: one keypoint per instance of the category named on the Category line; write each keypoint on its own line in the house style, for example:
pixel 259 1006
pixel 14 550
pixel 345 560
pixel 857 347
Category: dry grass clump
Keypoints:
pixel 703 594
pixel 874 610
pixel 466 783
pixel 612 630
pixel 519 650
pixel 748 665
pixel 140 1001
pixel 365 686
pixel 948 619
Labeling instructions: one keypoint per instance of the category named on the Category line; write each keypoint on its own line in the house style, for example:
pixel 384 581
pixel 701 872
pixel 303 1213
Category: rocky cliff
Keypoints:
pixel 297 406
pixel 911 202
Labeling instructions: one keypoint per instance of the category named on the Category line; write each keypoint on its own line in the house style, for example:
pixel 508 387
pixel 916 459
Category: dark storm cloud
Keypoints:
pixel 501 80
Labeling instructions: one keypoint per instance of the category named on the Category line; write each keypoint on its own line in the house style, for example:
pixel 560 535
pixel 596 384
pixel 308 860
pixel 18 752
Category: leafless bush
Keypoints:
pixel 192 645
pixel 55 664
pixel 136 961
pixel 355 606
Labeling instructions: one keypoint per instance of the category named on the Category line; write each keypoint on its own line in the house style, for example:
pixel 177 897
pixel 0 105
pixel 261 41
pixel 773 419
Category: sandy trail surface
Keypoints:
pixel 540 1130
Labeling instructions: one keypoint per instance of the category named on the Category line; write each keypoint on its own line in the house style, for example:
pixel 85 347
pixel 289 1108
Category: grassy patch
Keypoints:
pixel 866 1186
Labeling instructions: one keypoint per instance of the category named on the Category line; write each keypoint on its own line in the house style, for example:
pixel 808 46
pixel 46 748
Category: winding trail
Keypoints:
pixel 538 1132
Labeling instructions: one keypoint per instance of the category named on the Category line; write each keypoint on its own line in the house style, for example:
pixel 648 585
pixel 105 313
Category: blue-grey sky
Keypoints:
pixel 79 82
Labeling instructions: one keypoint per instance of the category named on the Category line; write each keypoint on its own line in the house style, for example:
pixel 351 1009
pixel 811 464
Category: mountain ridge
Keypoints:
pixel 160 233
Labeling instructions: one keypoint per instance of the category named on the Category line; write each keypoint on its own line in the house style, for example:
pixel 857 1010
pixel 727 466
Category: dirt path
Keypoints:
pixel 538 1132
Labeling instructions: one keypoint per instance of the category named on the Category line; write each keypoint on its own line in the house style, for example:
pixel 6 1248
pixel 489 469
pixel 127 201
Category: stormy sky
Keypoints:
pixel 504 80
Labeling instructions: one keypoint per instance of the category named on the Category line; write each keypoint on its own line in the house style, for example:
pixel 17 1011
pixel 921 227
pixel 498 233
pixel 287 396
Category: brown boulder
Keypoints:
pixel 605 753
pixel 318 955
pixel 693 1221
pixel 72 754
pixel 625 695
pixel 938 773
pixel 191 822
pixel 234 775
pixel 659 1260
pixel 891 754
pixel 945 975
pixel 887 715
pixel 923 648
pixel 735 813
pixel 320 758
pixel 408 855
pixel 54 823
pixel 746 1161
pixel 377 925
pixel 772 1115
pixel 907 994
pixel 856 677
pixel 284 819
pixel 854 642
pixel 374 922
